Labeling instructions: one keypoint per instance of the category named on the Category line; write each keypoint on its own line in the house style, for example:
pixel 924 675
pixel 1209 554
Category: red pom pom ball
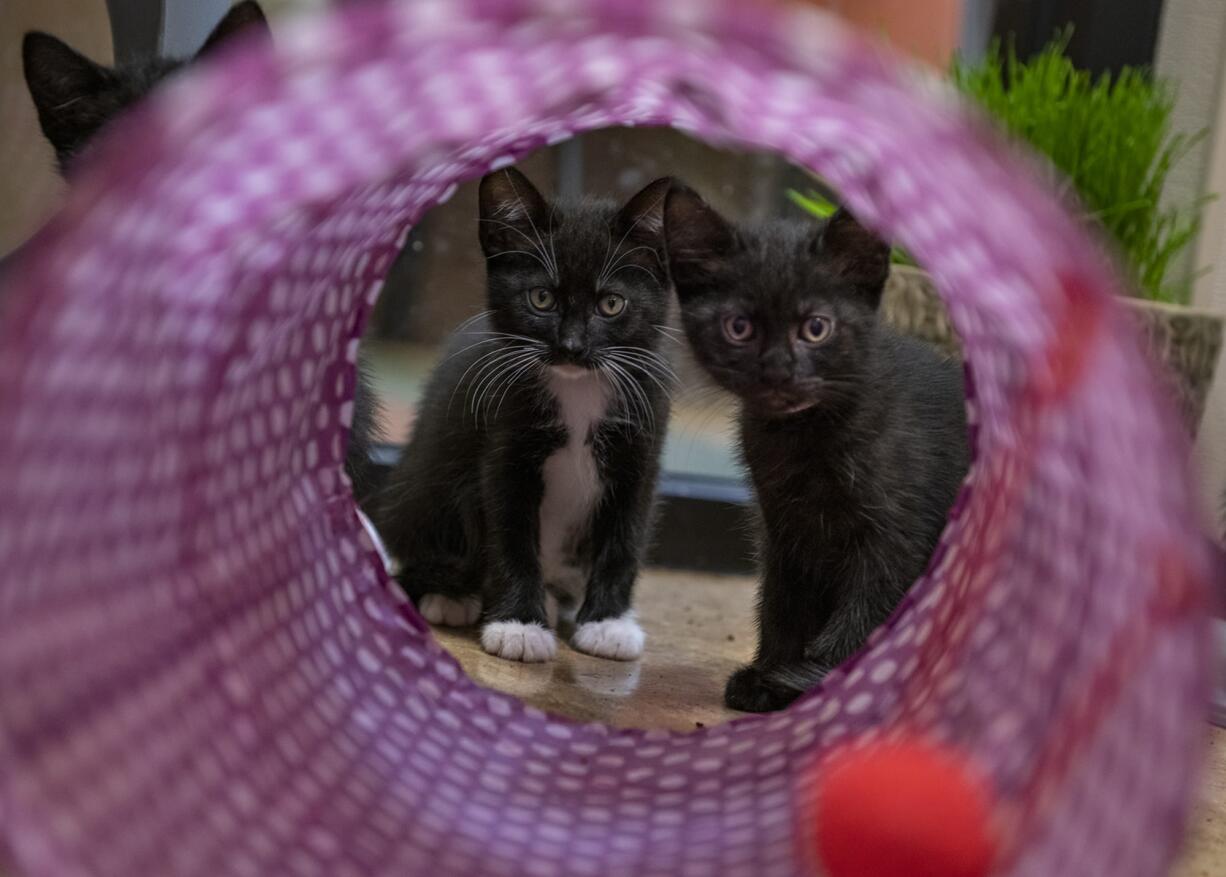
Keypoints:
pixel 903 809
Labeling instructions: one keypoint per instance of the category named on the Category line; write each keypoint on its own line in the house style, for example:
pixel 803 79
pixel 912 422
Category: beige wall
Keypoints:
pixel 1191 50
pixel 1211 293
pixel 29 186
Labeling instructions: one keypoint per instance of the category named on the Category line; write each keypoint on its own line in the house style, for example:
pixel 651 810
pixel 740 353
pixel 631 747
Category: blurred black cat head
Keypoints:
pixel 76 97
pixel 782 313
pixel 585 281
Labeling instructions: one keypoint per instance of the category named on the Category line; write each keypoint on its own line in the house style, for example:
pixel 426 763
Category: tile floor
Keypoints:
pixel 699 628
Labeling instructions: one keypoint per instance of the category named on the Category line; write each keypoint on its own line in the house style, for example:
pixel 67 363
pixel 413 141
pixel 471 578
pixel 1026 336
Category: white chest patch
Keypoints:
pixel 572 482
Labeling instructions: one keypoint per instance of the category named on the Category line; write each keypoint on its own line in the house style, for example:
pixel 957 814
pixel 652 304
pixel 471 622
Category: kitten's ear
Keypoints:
pixel 642 219
pixel 245 17
pixel 698 238
pixel 854 253
pixel 513 213
pixel 63 84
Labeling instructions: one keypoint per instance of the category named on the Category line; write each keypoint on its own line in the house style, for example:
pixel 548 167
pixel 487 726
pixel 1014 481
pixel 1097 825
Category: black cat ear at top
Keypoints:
pixel 697 237
pixel 513 212
pixel 854 253
pixel 56 72
pixel 61 81
pixel 642 219
pixel 245 17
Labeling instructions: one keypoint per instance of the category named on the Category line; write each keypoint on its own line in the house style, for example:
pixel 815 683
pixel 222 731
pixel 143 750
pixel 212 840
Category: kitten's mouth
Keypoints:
pixel 569 372
pixel 782 405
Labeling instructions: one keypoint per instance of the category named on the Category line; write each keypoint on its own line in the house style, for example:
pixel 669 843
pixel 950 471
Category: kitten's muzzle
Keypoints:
pixel 570 371
pixel 569 363
pixel 571 342
pixel 777 403
pixel 571 350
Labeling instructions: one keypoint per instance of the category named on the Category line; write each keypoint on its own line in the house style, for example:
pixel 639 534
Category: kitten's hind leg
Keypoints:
pixel 449 611
pixel 446 590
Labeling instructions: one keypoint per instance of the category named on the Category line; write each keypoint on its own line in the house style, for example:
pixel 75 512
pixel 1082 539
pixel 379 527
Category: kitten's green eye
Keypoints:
pixel 815 330
pixel 541 299
pixel 611 304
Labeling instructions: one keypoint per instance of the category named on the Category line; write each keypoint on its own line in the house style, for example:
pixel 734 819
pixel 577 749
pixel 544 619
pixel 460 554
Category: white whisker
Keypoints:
pixel 511 337
pixel 474 318
pixel 617 263
pixel 639 396
pixel 648 360
pixel 468 347
pixel 553 253
pixel 623 398
pixel 528 214
pixel 540 255
pixel 544 264
pixel 485 389
pixel 492 362
pixel 535 362
pixel 633 225
pixel 460 383
pixel 621 268
pixel 629 364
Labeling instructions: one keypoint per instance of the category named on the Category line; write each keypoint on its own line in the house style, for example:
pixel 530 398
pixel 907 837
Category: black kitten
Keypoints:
pixel 530 474
pixel 76 98
pixel 854 436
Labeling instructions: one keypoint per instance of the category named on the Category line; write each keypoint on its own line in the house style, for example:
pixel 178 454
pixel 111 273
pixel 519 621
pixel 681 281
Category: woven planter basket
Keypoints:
pixel 1184 341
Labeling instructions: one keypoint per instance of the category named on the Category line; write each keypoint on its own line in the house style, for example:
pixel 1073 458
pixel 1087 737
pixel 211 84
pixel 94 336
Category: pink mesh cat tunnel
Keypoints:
pixel 204 668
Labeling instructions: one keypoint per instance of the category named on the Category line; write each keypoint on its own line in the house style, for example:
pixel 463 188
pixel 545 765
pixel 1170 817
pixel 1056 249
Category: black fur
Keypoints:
pixel 462 510
pixel 76 98
pixel 854 489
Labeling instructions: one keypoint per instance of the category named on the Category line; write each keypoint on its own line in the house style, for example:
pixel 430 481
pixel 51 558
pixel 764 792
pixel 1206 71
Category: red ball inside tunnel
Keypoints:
pixel 903 809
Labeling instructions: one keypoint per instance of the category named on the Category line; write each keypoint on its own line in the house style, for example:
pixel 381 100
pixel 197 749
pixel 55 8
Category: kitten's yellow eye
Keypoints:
pixel 541 299
pixel 815 330
pixel 611 304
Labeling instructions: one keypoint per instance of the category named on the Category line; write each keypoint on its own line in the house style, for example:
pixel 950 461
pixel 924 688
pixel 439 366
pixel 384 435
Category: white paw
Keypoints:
pixel 516 641
pixel 438 609
pixel 618 638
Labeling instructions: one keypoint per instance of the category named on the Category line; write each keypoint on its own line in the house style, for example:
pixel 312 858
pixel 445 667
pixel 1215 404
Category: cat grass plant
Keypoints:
pixel 1109 140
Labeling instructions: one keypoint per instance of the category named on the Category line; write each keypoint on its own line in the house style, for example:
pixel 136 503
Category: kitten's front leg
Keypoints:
pixel 858 612
pixel 515 625
pixel 606 625
pixel 791 609
pixel 754 689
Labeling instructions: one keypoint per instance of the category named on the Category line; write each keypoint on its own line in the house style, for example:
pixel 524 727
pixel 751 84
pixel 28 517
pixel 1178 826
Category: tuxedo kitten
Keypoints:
pixel 530 474
pixel 854 436
pixel 77 98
